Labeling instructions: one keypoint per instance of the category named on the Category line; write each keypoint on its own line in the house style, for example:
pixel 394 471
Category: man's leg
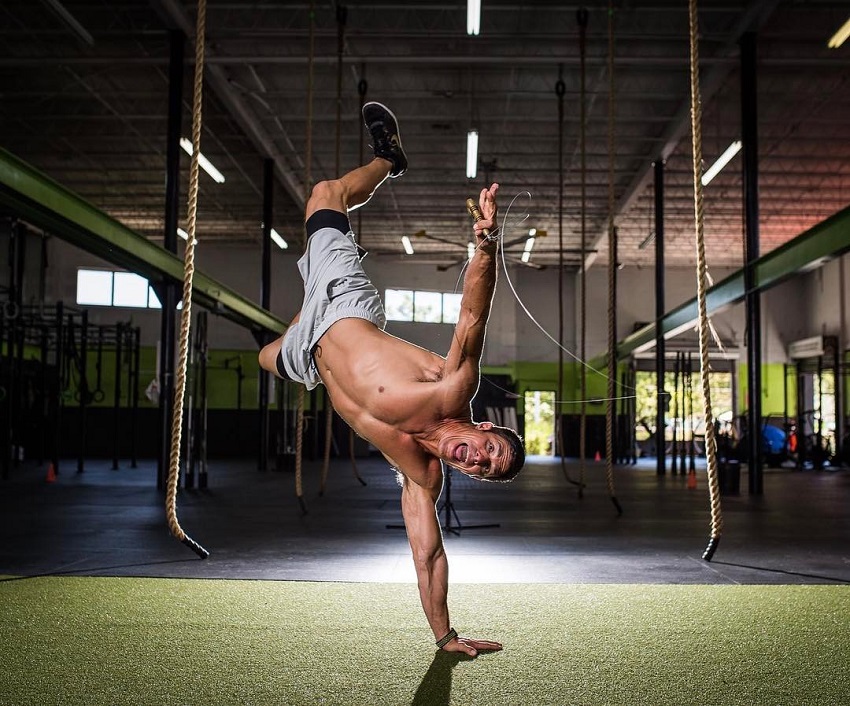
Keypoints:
pixel 350 191
pixel 269 357
pixel 356 188
pixel 342 195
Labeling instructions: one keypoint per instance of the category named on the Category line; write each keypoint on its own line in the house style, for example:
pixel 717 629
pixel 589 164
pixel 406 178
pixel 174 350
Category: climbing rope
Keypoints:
pixel 560 89
pixel 341 14
pixel 611 404
pixel 326 458
pixel 308 183
pixel 362 87
pixel 702 281
pixel 299 449
pixel 582 17
pixel 186 314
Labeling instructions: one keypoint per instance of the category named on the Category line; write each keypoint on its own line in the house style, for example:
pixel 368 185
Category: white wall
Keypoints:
pixel 636 303
pixel 804 306
pixel 811 304
pixel 237 267
pixel 783 320
pixel 826 301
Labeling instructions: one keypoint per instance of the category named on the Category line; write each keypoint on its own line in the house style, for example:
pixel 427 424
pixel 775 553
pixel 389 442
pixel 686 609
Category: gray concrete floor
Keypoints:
pixel 106 522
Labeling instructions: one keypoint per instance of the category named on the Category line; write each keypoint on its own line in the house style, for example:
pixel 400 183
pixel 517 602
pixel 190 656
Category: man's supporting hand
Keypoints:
pixel 471 646
pixel 487 206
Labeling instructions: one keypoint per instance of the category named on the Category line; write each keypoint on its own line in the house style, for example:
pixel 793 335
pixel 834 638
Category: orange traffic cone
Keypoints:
pixel 598 456
pixel 692 480
pixel 51 474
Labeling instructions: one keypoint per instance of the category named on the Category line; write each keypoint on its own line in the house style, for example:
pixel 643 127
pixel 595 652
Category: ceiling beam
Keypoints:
pixel 711 81
pixel 434 60
pixel 29 194
pixel 174 13
pixel 808 251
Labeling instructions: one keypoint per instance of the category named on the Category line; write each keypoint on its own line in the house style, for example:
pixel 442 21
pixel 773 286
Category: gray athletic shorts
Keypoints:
pixel 335 287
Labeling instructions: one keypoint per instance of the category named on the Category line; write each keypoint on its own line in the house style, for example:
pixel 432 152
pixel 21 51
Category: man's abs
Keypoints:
pixel 375 377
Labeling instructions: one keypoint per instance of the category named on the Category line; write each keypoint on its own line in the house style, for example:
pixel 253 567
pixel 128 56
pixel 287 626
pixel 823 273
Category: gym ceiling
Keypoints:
pixel 84 98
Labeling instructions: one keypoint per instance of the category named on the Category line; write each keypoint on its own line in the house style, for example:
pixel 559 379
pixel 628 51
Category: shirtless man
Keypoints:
pixel 412 404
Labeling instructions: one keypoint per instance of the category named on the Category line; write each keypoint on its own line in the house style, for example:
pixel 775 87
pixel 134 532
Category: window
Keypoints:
pixel 428 307
pixel 124 289
pixel 422 306
pixel 130 290
pixel 399 304
pixel 94 287
pixel 451 307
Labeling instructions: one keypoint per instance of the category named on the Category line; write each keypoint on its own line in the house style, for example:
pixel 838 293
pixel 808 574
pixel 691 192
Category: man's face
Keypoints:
pixel 477 452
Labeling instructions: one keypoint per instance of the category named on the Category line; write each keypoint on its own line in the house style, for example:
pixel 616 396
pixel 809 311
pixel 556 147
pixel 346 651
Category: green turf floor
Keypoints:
pixel 73 640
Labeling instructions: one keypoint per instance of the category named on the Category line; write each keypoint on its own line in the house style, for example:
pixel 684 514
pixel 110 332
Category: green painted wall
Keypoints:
pixel 772 390
pixel 544 376
pixel 223 382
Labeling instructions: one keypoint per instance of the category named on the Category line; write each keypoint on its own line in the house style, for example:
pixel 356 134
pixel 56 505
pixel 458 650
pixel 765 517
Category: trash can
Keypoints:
pixel 729 476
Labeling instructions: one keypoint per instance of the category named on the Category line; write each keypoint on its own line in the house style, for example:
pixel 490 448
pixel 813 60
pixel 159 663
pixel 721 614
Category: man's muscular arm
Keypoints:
pixel 432 567
pixel 478 287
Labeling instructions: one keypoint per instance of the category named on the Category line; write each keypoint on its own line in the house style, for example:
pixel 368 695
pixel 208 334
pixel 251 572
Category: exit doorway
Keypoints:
pixel 540 422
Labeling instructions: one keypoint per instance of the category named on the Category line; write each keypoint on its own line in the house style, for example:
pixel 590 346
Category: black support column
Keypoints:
pixel 265 302
pixel 661 399
pixel 168 290
pixel 749 137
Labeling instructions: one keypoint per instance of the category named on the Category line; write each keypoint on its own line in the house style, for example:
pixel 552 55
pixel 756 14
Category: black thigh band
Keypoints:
pixel 327 218
pixel 281 370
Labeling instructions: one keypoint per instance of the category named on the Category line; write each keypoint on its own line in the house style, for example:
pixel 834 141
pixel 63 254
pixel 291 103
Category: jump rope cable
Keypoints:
pixel 498 235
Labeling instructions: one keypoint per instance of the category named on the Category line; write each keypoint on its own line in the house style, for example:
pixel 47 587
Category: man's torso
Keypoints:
pixel 387 390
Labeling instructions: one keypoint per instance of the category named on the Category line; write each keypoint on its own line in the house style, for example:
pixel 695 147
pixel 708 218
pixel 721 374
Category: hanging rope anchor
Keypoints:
pixel 611 407
pixel 702 280
pixel 582 19
pixel 186 314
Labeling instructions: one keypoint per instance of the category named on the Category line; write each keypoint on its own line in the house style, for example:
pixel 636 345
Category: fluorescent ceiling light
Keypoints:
pixel 472 154
pixel 470 250
pixel 206 165
pixel 529 244
pixel 183 234
pixel 408 248
pixel 281 243
pixel 721 162
pixel 473 17
pixel 840 36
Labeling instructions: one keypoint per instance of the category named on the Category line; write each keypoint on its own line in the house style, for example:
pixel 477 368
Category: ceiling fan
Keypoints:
pixel 505 246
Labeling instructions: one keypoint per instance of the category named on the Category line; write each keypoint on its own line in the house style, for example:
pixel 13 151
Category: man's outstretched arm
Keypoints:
pixel 478 287
pixel 432 567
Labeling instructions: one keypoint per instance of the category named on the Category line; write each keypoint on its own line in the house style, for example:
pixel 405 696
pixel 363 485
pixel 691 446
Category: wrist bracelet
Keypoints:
pixel 447 638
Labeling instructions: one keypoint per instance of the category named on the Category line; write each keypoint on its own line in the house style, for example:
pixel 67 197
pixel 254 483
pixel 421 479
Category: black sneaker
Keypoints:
pixel 386 142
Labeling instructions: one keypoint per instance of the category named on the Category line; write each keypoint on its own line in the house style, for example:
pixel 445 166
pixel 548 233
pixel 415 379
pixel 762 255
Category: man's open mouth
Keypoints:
pixel 461 452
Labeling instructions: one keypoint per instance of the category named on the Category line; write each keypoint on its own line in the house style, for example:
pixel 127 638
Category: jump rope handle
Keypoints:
pixel 472 207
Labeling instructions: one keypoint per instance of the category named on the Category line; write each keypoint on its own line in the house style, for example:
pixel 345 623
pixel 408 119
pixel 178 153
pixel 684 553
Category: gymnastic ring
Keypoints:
pixel 11 310
pixel 78 397
pixel 98 396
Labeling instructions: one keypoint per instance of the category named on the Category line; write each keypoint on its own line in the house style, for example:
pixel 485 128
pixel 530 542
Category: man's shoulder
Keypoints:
pixel 417 466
